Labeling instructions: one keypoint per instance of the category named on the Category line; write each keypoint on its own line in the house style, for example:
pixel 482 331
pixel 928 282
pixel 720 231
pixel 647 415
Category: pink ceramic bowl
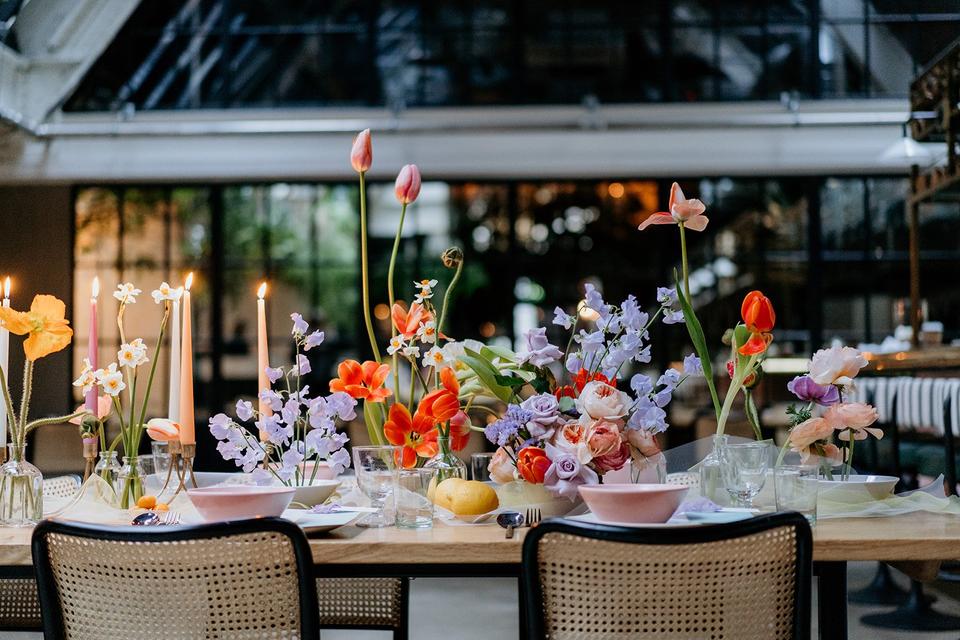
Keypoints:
pixel 240 502
pixel 633 503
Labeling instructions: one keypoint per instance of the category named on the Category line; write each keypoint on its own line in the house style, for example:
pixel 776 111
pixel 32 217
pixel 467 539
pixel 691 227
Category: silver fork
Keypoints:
pixel 532 517
pixel 170 517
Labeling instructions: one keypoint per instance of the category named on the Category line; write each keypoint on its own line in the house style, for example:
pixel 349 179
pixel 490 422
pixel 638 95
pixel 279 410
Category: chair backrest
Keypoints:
pixel 744 580
pixel 61 486
pixel 245 579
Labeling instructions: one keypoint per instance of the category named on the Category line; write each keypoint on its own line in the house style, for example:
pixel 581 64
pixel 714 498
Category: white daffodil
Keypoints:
pixel 166 292
pixel 411 351
pixel 111 380
pixel 425 290
pixel 126 293
pixel 133 354
pixel 435 357
pixel 397 343
pixel 87 379
pixel 427 332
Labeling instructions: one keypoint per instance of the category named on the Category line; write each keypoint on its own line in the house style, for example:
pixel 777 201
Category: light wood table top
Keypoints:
pixel 916 536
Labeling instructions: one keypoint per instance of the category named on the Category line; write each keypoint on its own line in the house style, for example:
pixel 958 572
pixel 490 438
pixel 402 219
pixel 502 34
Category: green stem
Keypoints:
pixel 156 358
pixel 446 298
pixel 364 267
pixel 849 456
pixel 54 420
pixel 683 262
pixel 11 417
pixel 413 385
pixel 25 400
pixel 390 297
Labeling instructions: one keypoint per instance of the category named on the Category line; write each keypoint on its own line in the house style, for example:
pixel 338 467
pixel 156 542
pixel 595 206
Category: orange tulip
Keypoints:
pixel 459 431
pixel 361 155
pixel 532 463
pixel 443 403
pixel 46 324
pixel 759 318
pixel 407 187
pixel 407 322
pixel 362 381
pixel 417 435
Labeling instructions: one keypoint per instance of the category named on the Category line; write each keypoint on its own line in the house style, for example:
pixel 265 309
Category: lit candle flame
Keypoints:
pixel 262 291
pixel 6 287
pixel 95 287
pixel 188 282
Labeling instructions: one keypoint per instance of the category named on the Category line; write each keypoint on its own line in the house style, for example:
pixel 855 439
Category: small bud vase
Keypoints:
pixel 129 482
pixel 711 475
pixel 446 462
pixel 21 490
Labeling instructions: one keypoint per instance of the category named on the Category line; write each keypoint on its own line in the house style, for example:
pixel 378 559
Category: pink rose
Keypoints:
pixel 603 438
pixel 613 460
pixel 600 400
pixel 837 365
pixel 644 442
pixel 572 438
pixel 501 467
pixel 853 417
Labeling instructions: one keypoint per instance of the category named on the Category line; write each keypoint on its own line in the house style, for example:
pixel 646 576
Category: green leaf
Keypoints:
pixel 699 343
pixel 540 385
pixel 753 416
pixel 740 337
pixel 372 418
pixel 491 351
pixel 487 375
pixel 510 381
pixel 567 404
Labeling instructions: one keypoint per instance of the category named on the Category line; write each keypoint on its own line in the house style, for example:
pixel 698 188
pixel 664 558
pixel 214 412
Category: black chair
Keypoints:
pixel 251 578
pixel 748 579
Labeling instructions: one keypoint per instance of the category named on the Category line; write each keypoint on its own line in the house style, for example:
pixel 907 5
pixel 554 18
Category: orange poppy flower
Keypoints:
pixel 759 317
pixel 417 435
pixel 566 391
pixel 45 322
pixel 407 322
pixel 583 377
pixel 443 403
pixel 362 381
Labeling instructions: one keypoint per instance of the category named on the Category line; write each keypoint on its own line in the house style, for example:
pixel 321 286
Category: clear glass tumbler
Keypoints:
pixel 744 469
pixel 377 470
pixel 414 508
pixel 797 489
pixel 479 466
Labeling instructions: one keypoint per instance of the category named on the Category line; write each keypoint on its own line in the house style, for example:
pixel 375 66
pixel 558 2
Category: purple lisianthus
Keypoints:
pixel 562 318
pixel 300 326
pixel 692 365
pixel 544 412
pixel 809 391
pixel 566 473
pixel 539 350
pixel 315 339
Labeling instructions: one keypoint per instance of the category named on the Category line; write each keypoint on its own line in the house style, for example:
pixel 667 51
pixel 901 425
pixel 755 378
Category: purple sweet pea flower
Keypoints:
pixel 276 433
pixel 261 477
pixel 272 398
pixel 697 505
pixel 633 317
pixel 544 414
pixel 672 317
pixel 300 325
pixel 593 298
pixel 302 367
pixel 339 461
pixel 809 391
pixel 244 410
pixel 342 405
pixel 647 416
pixel 315 339
pixel 539 350
pixel 274 374
pixel 563 319
pixel 692 365
pixel 590 342
pixel 641 384
pixel 220 426
pixel 566 473
pixel 667 296
pixel 574 362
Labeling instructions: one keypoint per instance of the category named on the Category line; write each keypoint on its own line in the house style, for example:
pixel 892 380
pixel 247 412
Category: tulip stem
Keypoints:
pixel 11 418
pixel 683 262
pixel 393 328
pixel 364 267
pixel 446 298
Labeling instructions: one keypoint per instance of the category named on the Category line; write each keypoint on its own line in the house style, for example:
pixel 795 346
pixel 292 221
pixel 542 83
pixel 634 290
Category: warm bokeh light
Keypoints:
pixel 488 329
pixel 586 313
pixel 189 281
pixel 381 311
pixel 95 287
pixel 262 291
pixel 615 190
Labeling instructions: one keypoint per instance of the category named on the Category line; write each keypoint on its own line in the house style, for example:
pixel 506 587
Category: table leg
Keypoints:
pixel 831 599
pixel 521 601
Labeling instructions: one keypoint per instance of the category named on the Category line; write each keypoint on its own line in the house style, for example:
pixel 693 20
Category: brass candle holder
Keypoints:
pixel 181 464
pixel 173 448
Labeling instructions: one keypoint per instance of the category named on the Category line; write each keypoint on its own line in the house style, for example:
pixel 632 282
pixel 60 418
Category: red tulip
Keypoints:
pixel 759 318
pixel 361 155
pixel 407 186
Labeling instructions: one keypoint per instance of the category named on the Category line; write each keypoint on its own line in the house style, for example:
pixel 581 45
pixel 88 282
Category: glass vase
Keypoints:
pixel 711 474
pixel 446 462
pixel 21 490
pixel 129 482
pixel 108 467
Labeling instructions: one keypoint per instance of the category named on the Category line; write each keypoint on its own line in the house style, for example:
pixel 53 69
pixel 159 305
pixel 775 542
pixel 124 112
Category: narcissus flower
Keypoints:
pixel 45 324
pixel 362 381
pixel 689 213
pixel 759 318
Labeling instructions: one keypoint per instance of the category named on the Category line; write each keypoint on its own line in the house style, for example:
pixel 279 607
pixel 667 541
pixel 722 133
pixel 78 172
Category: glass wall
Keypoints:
pixel 265 53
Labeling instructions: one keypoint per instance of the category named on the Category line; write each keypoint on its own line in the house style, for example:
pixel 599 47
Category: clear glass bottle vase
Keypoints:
pixel 446 462
pixel 108 467
pixel 21 490
pixel 711 473
pixel 129 482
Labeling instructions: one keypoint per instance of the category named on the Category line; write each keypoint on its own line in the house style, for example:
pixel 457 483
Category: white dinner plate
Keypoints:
pixel 320 522
pixel 590 518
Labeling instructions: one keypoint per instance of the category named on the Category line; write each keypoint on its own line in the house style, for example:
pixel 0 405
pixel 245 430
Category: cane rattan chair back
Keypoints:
pixel 61 486
pixel 746 580
pixel 364 603
pixel 248 579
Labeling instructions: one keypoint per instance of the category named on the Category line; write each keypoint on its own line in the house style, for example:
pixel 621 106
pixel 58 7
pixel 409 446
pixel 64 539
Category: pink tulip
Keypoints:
pixel 361 156
pixel 689 212
pixel 163 430
pixel 407 186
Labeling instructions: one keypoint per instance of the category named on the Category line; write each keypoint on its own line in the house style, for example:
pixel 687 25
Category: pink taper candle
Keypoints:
pixel 187 427
pixel 263 352
pixel 93 347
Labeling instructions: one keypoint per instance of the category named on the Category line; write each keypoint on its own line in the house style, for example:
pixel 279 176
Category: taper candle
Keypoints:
pixel 91 401
pixel 5 363
pixel 187 427
pixel 173 401
pixel 263 352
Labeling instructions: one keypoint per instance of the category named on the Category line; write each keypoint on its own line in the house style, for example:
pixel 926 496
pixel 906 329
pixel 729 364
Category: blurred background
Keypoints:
pixel 142 140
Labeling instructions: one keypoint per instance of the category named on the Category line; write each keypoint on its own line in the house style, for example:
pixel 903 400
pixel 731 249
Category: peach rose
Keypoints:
pixel 837 365
pixel 855 418
pixel 501 467
pixel 613 460
pixel 644 442
pixel 600 400
pixel 572 438
pixel 603 438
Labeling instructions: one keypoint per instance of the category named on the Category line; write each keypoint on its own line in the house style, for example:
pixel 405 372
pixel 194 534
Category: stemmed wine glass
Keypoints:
pixel 377 473
pixel 744 469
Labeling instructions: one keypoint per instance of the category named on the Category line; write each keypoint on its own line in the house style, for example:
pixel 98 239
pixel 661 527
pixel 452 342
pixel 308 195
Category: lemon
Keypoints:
pixel 465 497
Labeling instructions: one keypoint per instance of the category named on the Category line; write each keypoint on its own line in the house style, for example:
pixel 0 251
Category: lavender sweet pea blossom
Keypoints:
pixel 566 473
pixel 220 425
pixel 563 319
pixel 648 417
pixel 593 298
pixel 272 398
pixel 539 350
pixel 692 365
pixel 315 339
pixel 590 342
pixel 244 410
pixel 641 385
pixel 302 367
pixel 809 391
pixel 672 317
pixel 544 412
pixel 633 317
pixel 574 362
pixel 300 325
pixel 667 296
pixel 274 374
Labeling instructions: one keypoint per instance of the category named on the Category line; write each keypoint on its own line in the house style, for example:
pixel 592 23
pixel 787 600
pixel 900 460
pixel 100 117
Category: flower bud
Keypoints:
pixel 361 155
pixel 407 187
pixel 452 257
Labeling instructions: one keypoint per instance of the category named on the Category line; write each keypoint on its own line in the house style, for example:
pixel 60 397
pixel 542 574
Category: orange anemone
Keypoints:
pixel 49 330
pixel 362 381
pixel 417 435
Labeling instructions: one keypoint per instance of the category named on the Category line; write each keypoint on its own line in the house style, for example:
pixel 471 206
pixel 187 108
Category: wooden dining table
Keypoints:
pixel 917 542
